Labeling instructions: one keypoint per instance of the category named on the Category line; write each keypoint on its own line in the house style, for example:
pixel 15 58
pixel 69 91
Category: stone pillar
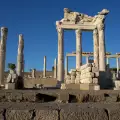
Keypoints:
pixel 102 50
pixel 44 68
pixel 60 72
pixel 78 49
pixel 117 61
pixel 4 32
pixel 55 68
pixel 33 73
pixel 66 66
pixel 20 57
pixel 87 59
pixel 107 60
pixel 96 48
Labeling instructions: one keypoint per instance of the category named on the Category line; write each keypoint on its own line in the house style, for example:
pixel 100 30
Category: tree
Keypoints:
pixel 52 68
pixel 11 66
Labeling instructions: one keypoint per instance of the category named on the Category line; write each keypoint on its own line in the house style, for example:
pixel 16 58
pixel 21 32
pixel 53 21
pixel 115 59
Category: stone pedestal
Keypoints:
pixel 89 87
pixel 10 86
pixel 117 85
pixel 81 86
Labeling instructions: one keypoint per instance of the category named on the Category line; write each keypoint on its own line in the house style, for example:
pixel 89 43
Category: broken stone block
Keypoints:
pixel 89 69
pixel 85 66
pixel 87 75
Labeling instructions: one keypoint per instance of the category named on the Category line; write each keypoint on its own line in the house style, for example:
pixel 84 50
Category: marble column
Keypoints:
pixel 20 57
pixel 4 32
pixel 60 71
pixel 44 68
pixel 102 50
pixel 66 66
pixel 96 47
pixel 78 48
pixel 117 62
pixel 55 68
pixel 87 59
pixel 107 60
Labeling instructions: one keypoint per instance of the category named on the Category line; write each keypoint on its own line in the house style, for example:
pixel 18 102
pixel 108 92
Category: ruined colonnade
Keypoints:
pixel 74 21
pixel 90 54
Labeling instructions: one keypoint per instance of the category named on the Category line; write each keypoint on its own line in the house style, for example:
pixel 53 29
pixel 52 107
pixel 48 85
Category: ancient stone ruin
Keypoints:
pixel 58 89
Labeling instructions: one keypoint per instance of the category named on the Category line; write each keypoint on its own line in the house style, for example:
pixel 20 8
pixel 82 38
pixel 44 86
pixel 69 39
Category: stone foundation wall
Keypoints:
pixel 59 105
pixel 53 111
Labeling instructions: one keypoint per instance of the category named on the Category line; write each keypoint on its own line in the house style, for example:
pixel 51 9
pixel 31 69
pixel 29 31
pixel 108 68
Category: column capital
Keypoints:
pixel 95 31
pixel 101 26
pixel 59 29
pixel 78 31
pixel 4 30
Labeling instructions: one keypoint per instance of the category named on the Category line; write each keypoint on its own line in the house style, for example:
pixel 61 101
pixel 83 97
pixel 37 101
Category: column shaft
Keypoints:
pixel 87 59
pixel 60 74
pixel 117 61
pixel 66 66
pixel 20 57
pixel 107 59
pixel 78 49
pixel 96 48
pixel 44 68
pixel 4 32
pixel 55 68
pixel 102 51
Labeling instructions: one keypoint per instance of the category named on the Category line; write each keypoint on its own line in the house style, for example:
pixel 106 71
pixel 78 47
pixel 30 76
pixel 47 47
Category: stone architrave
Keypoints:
pixel 66 66
pixel 60 71
pixel 4 32
pixel 55 68
pixel 78 48
pixel 44 68
pixel 20 56
pixel 96 47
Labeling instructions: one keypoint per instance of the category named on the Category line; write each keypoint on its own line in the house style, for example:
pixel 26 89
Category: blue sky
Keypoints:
pixel 35 19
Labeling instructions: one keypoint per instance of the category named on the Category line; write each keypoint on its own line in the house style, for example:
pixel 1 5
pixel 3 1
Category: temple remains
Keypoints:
pixel 95 74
